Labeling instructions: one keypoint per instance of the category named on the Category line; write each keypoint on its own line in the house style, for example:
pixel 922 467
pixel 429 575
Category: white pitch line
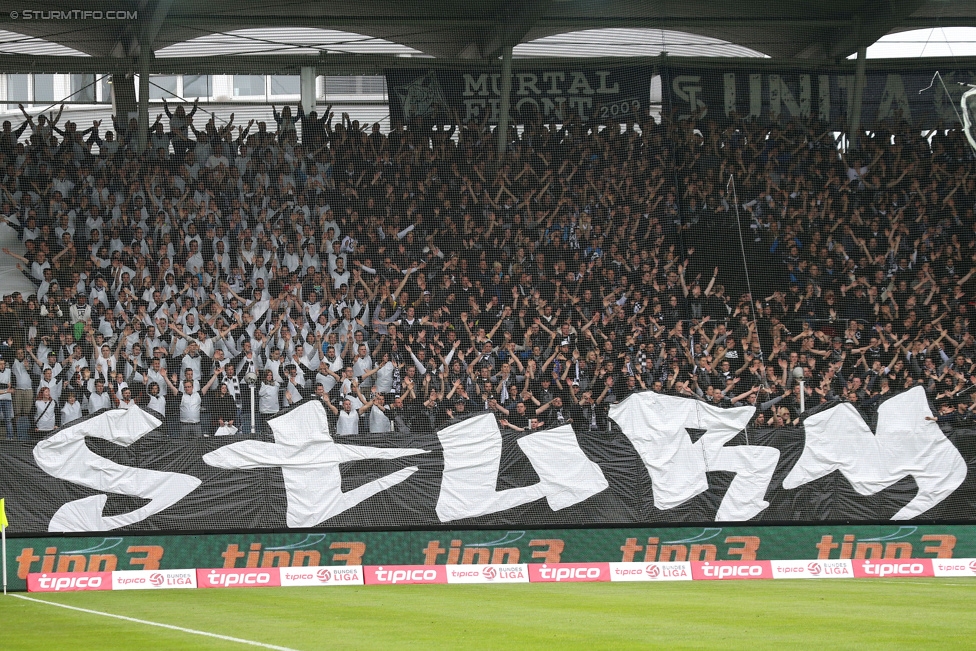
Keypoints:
pixel 148 623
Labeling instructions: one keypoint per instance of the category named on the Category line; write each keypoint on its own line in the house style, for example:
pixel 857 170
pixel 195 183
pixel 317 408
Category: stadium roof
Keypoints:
pixel 798 29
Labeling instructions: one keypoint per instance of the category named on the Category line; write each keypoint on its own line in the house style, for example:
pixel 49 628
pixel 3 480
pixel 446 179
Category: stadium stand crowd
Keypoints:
pixel 405 281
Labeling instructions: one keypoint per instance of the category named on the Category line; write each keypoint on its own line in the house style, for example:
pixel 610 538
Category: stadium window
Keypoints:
pixel 286 85
pixel 340 86
pixel 18 89
pixel 248 85
pixel 197 86
pixel 105 89
pixel 83 88
pixel 43 88
pixel 372 85
pixel 355 85
pixel 162 86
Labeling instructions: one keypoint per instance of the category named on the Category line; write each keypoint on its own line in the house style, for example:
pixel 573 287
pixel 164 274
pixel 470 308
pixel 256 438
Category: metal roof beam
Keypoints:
pixel 221 23
pixel 376 64
pixel 918 22
pixel 151 28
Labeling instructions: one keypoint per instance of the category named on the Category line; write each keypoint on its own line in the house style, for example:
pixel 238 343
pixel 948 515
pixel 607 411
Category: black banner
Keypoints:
pixel 442 95
pixel 665 460
pixel 770 94
pixel 764 93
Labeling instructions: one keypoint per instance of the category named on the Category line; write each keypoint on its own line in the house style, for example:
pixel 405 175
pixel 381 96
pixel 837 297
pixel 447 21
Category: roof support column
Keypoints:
pixel 123 98
pixel 503 110
pixel 145 55
pixel 855 123
pixel 307 82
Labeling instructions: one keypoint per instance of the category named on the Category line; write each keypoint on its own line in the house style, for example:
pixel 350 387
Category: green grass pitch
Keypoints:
pixel 850 614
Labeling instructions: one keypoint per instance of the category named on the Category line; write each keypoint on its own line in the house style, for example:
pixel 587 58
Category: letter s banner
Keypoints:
pixel 565 572
pixel 68 581
pixel 404 574
pixel 724 570
pixel 881 568
pixel 671 571
pixel 517 573
pixel 257 577
pixel 821 569
pixel 954 566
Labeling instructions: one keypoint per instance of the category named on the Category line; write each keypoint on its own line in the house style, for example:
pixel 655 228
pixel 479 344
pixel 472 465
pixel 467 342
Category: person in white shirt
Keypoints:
pixel 273 364
pixel 362 366
pixel 269 402
pixel 194 262
pixel 347 418
pixel 156 375
pixel 6 398
pixel 233 384
pixel 156 402
pixel 340 275
pixel 50 382
pixel 39 265
pixel 190 402
pixel 126 401
pixel 379 415
pixel 45 412
pixel 106 362
pixel 81 310
pixel 24 391
pixel 294 387
pixel 71 411
pixel 385 371
pixel 100 398
pixel 329 369
pixel 311 260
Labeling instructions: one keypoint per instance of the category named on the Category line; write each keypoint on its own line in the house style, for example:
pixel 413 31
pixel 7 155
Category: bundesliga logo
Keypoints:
pixel 972 566
pixel 653 571
pixel 324 575
pixel 814 569
pixel 156 579
pixel 489 573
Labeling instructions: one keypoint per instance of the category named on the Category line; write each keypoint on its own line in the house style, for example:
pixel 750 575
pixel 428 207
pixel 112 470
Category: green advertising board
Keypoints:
pixel 146 552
